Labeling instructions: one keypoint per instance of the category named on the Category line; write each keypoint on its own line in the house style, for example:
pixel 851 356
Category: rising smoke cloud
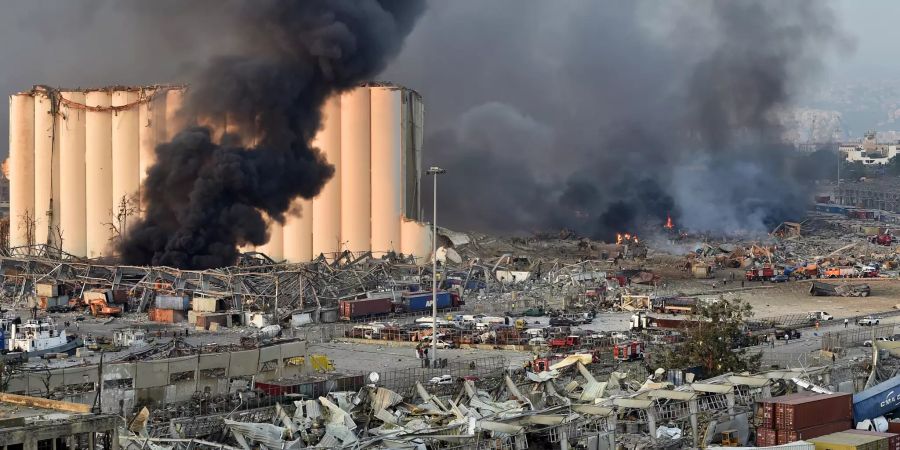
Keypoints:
pixel 608 116
pixel 204 198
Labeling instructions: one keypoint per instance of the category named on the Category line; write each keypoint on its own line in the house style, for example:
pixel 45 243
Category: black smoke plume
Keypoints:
pixel 609 116
pixel 206 196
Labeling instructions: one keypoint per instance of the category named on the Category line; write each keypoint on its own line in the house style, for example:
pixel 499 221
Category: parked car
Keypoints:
pixel 618 336
pixel 868 321
pixel 561 322
pixel 780 278
pixel 441 380
pixel 868 342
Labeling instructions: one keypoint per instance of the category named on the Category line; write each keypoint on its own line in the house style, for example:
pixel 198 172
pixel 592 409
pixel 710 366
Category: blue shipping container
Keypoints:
pixel 877 400
pixel 420 301
pixel 2 339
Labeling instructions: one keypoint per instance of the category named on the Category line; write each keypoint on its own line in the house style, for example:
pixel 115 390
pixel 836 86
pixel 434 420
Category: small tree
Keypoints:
pixel 27 226
pixel 714 341
pixel 127 208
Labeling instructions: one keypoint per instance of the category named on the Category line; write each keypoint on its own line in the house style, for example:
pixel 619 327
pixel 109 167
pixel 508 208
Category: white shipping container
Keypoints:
pixel 204 304
pixel 47 289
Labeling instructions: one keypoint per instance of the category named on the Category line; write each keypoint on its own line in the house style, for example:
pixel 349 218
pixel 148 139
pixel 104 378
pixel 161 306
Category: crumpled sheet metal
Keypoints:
pixel 264 433
pixel 385 398
pixel 592 389
pixel 542 377
pixel 583 358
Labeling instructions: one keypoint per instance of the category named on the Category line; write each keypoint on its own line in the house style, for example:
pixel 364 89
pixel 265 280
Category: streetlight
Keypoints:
pixel 434 171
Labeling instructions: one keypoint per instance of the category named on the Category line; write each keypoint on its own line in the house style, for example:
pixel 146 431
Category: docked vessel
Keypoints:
pixel 37 337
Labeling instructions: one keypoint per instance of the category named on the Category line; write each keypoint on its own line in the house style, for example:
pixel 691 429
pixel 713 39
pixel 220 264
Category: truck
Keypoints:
pixel 841 272
pixel 870 272
pixel 628 351
pixel 567 341
pixel 819 316
pixel 885 239
pixel 761 274
pixel 421 301
pixel 364 307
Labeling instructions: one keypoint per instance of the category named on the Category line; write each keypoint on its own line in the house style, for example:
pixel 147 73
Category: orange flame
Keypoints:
pixel 669 225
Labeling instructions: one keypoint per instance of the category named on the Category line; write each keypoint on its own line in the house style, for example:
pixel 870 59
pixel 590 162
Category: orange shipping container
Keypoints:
pixel 167 315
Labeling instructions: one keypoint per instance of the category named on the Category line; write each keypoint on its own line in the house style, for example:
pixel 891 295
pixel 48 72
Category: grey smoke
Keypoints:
pixel 651 109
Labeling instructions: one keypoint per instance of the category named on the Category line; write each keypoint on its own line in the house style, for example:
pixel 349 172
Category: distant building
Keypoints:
pixel 869 151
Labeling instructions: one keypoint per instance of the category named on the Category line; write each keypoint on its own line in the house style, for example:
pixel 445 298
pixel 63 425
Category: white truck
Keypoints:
pixel 819 315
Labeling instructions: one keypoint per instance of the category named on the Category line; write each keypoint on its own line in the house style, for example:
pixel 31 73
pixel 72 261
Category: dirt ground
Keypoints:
pixel 775 299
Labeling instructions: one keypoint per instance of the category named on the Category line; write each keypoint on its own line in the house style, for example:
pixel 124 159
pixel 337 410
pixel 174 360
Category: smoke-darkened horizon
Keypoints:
pixel 606 117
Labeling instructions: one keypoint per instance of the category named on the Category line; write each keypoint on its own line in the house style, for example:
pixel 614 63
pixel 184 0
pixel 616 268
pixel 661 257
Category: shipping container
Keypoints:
pixel 806 412
pixel 892 438
pixel 365 307
pixel 205 304
pixel 877 400
pixel 47 289
pixel 51 303
pixel 785 436
pixel 328 315
pixel 177 302
pixel 766 437
pixel 203 320
pixel 120 296
pixel 167 315
pixel 765 410
pixel 849 441
pixel 421 301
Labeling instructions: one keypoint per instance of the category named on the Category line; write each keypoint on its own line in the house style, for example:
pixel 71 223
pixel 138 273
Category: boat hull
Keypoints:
pixel 68 347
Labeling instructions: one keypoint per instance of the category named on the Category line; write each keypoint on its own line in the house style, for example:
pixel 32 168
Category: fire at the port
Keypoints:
pixel 669 225
pixel 626 238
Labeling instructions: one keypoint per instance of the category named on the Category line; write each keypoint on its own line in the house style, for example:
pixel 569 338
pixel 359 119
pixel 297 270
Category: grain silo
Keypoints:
pixel 79 156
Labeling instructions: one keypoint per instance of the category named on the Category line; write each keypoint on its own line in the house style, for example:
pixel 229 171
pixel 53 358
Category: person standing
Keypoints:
pixel 846 322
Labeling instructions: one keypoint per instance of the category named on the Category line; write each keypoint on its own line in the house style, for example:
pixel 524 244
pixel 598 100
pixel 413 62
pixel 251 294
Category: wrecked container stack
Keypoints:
pixel 801 416
pixel 805 412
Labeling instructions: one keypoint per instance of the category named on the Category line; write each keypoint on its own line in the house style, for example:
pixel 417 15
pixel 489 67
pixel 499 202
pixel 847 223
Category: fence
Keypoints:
pixel 403 381
pixel 839 340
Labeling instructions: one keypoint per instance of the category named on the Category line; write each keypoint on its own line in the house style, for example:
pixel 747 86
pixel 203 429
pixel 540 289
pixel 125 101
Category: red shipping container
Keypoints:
pixel 806 412
pixel 893 427
pixel 766 437
pixel 352 309
pixel 766 408
pixel 787 436
pixel 765 415
pixel 893 438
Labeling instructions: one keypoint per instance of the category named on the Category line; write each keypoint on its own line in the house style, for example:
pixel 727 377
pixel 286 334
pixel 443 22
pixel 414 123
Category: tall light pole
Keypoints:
pixel 434 171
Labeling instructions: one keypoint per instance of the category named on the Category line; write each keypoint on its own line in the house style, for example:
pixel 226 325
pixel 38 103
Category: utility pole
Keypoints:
pixel 434 171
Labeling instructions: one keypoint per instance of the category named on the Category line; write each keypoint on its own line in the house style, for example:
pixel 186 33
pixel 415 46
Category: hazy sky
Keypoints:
pixel 90 43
